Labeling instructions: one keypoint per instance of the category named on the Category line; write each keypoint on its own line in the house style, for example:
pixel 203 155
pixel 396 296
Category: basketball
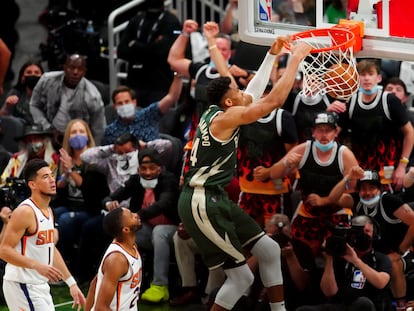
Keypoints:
pixel 341 81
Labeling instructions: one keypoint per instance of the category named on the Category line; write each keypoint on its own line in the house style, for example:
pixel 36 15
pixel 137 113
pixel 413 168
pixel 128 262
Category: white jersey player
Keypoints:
pixel 118 282
pixel 29 250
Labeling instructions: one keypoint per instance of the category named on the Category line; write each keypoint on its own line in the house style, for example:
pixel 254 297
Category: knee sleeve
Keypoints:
pixel 238 281
pixel 267 253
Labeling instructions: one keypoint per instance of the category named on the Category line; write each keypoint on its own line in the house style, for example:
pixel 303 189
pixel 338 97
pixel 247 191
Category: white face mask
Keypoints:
pixel 371 202
pixel 148 183
pixel 127 164
pixel 126 111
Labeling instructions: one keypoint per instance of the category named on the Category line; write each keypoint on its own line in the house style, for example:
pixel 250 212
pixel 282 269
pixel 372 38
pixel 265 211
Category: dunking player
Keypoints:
pixel 218 226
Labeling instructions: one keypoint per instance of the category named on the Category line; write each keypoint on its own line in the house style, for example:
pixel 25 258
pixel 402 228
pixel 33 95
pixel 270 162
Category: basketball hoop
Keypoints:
pixel 331 67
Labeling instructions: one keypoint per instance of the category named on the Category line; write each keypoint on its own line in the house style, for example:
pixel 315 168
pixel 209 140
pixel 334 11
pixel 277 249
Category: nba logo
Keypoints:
pixel 265 10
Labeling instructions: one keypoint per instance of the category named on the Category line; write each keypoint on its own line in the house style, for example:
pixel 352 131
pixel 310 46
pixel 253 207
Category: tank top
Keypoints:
pixel 39 246
pixel 212 161
pixel 128 287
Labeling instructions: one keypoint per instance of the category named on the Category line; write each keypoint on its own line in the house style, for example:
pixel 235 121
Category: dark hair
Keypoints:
pixel 122 89
pixel 217 88
pixel 126 138
pixel 19 86
pixel 397 81
pixel 31 168
pixel 112 222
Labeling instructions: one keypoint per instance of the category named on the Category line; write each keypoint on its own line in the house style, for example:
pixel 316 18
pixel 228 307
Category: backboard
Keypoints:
pixel 388 31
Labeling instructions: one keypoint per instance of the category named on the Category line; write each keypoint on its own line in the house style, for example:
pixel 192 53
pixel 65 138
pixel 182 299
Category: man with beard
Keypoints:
pixel 61 96
pixel 117 284
pixel 28 247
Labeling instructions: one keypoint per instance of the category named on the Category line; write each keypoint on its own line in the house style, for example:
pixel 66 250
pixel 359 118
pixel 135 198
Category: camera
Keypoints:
pixel 341 235
pixel 281 239
pixel 13 192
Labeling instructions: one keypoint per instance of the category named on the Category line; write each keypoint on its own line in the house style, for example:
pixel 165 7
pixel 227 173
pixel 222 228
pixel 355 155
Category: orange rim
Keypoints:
pixel 339 34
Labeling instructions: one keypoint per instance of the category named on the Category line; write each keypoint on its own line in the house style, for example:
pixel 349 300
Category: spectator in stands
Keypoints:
pixel 143 123
pixel 397 86
pixel 395 219
pixel 71 213
pixel 153 193
pixel 18 98
pixel 113 166
pixel 322 163
pixel 185 250
pixel 230 22
pixel 5 56
pixel 35 144
pixel 61 96
pixel 359 278
pixel 377 125
pixel 202 73
pixel 145 44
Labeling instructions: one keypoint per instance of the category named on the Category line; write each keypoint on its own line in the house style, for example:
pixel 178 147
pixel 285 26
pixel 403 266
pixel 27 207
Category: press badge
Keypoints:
pixel 358 280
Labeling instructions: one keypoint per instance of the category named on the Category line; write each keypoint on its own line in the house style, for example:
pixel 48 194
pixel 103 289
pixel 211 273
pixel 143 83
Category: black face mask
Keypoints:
pixel 31 81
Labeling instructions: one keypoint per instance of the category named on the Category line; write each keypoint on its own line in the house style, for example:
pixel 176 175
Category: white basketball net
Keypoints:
pixel 319 77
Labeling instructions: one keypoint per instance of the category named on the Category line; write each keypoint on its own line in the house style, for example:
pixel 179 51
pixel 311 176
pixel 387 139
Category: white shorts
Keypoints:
pixel 28 297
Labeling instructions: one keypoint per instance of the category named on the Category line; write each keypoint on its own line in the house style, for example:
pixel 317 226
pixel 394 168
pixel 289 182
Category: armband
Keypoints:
pixel 404 160
pixel 70 281
pixel 212 47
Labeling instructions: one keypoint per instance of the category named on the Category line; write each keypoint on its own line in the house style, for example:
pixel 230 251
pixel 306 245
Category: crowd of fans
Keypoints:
pixel 306 173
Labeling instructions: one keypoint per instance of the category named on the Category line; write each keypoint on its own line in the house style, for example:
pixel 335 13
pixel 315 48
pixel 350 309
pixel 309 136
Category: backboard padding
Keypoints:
pixel 378 42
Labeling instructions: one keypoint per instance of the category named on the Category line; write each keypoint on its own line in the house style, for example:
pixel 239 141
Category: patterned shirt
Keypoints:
pixel 144 126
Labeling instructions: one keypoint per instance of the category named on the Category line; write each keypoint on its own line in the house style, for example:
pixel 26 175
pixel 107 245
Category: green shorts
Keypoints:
pixel 219 227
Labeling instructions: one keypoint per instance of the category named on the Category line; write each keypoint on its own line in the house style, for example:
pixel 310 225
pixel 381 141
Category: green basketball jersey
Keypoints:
pixel 212 161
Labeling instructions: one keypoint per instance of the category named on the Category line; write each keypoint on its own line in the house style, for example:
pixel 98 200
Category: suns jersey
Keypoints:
pixel 128 287
pixel 40 246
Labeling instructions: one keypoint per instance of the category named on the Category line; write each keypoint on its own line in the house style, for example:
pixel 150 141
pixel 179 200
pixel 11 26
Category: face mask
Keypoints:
pixel 370 202
pixel 324 147
pixel 35 147
pixel 148 183
pixel 78 141
pixel 127 164
pixel 31 81
pixel 366 92
pixel 126 111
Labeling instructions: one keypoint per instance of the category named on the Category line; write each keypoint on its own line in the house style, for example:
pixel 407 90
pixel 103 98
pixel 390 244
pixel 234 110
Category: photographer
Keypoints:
pixel 298 269
pixel 395 219
pixel 359 279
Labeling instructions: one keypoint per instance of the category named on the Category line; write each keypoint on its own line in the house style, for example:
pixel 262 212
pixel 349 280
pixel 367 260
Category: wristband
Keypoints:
pixel 404 160
pixel 212 47
pixel 347 186
pixel 70 281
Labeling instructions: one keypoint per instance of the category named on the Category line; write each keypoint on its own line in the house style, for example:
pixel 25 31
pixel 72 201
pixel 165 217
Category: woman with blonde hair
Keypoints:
pixel 70 211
